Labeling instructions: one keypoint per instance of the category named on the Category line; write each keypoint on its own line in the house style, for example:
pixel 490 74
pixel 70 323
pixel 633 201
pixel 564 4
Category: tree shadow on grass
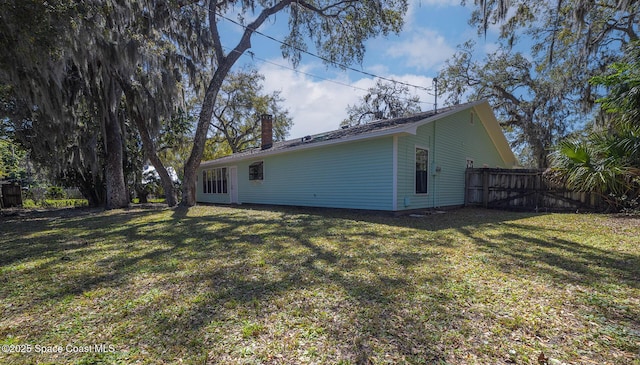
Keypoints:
pixel 211 287
pixel 52 233
pixel 429 220
pixel 569 262
pixel 594 278
pixel 202 264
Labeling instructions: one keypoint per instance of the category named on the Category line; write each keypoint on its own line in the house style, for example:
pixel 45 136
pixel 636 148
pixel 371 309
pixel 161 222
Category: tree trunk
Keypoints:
pixel 199 141
pixel 150 151
pixel 117 195
pixel 202 129
pixel 225 62
pixel 143 196
pixel 540 151
pixel 189 187
pixel 170 193
pixel 171 196
pixel 92 196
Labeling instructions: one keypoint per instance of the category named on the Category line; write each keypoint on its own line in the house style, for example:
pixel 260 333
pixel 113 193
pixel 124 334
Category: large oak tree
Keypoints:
pixel 107 60
pixel 383 101
pixel 541 94
pixel 98 53
pixel 336 28
pixel 240 103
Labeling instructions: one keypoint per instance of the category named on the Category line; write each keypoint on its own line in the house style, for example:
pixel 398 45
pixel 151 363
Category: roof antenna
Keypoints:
pixel 435 102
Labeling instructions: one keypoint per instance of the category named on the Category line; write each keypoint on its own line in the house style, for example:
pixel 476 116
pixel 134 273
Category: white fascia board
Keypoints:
pixel 400 130
pixel 413 128
pixel 259 155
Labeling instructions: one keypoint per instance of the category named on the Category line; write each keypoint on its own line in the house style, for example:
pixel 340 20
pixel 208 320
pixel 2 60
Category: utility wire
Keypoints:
pixel 427 89
pixel 254 57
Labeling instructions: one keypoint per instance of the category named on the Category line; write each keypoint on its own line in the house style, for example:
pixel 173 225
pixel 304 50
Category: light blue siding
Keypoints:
pixel 355 175
pixel 450 141
pixel 359 174
pixel 407 198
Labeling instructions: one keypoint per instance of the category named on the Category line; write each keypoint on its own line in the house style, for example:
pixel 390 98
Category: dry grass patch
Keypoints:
pixel 291 286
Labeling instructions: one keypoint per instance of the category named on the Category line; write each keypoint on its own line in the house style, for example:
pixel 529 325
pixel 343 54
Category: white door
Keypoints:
pixel 233 177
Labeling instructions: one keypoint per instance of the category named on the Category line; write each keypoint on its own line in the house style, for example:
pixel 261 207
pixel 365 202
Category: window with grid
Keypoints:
pixel 214 181
pixel 256 171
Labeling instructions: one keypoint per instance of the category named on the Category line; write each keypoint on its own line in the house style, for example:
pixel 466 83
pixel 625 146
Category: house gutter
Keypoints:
pixel 270 152
pixel 434 164
pixel 394 183
pixel 401 130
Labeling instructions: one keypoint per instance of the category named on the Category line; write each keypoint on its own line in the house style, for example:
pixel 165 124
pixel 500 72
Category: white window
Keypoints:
pixel 256 171
pixel 422 164
pixel 469 163
pixel 214 181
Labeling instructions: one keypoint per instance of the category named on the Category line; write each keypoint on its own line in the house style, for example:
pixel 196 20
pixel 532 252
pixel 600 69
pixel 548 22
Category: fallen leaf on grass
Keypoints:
pixel 542 359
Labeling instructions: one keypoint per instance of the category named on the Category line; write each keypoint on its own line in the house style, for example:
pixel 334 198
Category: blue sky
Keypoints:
pixel 317 96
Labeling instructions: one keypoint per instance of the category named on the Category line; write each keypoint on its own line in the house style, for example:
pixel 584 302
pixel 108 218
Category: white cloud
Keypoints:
pixel 423 49
pixel 315 105
pixel 378 69
pixel 318 106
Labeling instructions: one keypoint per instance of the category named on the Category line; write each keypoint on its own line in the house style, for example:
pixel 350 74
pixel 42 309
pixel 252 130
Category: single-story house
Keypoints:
pixel 395 164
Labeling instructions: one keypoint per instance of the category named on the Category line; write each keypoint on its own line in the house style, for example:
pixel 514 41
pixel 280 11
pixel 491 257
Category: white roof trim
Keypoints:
pixel 261 154
pixel 413 127
pixel 399 130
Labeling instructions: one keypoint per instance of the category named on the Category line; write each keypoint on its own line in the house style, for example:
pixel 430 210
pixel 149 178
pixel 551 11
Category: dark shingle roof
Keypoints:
pixel 338 134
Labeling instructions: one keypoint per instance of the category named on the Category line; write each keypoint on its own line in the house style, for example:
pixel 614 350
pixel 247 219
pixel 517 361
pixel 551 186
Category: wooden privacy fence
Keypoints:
pixel 523 189
pixel 10 196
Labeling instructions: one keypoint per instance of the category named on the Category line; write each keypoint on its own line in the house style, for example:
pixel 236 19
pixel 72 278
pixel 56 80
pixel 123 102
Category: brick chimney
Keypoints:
pixel 267 131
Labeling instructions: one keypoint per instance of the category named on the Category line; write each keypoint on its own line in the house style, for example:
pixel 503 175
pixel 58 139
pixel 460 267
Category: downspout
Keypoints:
pixel 435 111
pixel 394 189
pixel 433 166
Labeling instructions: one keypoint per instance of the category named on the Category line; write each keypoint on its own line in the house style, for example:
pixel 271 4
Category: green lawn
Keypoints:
pixel 291 286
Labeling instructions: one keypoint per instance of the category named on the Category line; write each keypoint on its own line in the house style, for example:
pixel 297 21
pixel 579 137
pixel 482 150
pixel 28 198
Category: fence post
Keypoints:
pixel 538 188
pixel 466 187
pixel 485 188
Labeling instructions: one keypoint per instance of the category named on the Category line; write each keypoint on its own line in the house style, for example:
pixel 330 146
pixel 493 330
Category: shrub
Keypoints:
pixel 55 192
pixel 54 203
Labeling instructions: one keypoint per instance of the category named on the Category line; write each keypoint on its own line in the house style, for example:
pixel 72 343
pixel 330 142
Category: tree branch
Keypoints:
pixel 323 11
pixel 213 27
pixel 506 95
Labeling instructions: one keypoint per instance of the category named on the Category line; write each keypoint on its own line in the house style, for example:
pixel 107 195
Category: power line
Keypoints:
pixel 254 57
pixel 427 89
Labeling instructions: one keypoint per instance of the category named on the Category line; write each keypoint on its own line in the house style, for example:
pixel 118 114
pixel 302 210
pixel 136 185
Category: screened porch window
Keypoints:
pixel 214 181
pixel 422 158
